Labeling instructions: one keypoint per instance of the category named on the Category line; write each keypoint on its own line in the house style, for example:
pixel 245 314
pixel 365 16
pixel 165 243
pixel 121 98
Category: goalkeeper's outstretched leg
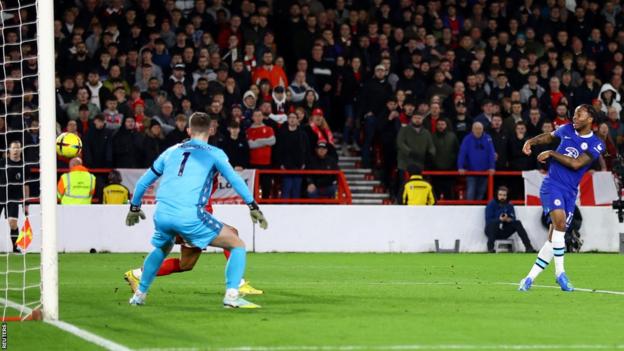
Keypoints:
pixel 188 258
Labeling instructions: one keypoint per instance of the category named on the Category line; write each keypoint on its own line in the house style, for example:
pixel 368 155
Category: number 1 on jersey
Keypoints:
pixel 186 156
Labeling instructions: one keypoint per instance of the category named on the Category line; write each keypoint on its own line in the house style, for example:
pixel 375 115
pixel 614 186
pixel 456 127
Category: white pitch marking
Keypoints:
pixel 398 347
pixel 72 329
pixel 597 291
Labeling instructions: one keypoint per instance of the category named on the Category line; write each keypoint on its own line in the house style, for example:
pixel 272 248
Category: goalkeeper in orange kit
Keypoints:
pixel 188 258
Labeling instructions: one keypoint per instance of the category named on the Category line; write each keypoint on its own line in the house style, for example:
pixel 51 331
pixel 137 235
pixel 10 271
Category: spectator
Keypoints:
pixel 415 146
pixel 462 121
pixel 127 146
pixel 322 185
pixel 445 159
pixel 609 97
pixel 153 143
pixel 178 134
pixel 485 118
pixel 611 152
pixel 114 192
pixel 298 87
pixel 417 191
pixel 236 147
pixel 318 131
pixel 96 145
pixel 82 98
pixel 501 222
pixel 373 97
pixel 77 186
pixel 111 114
pixel 291 151
pixel 588 90
pixel 261 139
pixel 274 74
pixel 531 89
pixel 516 116
pixel 476 153
pixel 500 139
pixel 390 124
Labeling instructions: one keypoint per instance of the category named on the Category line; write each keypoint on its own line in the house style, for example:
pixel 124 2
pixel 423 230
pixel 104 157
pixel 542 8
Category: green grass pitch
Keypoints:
pixel 340 301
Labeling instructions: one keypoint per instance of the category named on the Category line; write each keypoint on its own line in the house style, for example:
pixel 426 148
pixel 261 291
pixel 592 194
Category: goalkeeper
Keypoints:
pixel 188 169
pixel 188 258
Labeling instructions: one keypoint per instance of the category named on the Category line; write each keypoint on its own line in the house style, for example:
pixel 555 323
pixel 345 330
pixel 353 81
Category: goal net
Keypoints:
pixel 22 259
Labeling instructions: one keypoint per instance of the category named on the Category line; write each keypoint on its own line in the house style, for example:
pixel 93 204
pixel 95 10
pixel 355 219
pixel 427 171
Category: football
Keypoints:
pixel 68 145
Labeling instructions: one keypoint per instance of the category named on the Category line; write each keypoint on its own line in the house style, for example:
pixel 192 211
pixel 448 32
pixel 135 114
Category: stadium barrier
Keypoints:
pixel 321 228
pixel 343 192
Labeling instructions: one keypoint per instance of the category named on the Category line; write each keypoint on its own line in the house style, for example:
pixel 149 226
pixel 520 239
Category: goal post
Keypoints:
pixel 47 130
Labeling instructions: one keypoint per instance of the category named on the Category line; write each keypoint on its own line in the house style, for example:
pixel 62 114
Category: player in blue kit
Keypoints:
pixel 187 171
pixel 578 149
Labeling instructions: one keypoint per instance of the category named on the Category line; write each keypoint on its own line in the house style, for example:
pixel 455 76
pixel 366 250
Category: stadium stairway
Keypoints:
pixel 366 188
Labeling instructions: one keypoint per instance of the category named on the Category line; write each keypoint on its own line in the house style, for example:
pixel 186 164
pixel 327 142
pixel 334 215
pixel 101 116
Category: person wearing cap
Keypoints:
pixel 279 105
pixel 412 85
pixel 179 75
pixel 417 191
pixel 249 106
pixel 322 186
pixel 372 101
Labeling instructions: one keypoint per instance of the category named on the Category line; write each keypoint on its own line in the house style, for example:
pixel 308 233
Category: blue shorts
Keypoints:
pixel 554 198
pixel 199 230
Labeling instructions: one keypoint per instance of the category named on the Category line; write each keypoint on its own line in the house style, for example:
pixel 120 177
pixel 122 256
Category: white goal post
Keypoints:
pixel 47 125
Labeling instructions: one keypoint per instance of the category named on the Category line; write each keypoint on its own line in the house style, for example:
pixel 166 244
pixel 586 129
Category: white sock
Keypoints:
pixel 231 294
pixel 137 273
pixel 543 259
pixel 558 244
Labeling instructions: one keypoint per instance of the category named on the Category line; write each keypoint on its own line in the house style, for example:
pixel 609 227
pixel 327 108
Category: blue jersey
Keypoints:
pixel 187 171
pixel 572 145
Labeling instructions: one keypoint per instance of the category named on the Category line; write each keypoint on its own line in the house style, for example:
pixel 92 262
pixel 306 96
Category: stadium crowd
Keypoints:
pixel 443 85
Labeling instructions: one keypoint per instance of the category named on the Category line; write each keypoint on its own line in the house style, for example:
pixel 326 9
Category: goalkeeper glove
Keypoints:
pixel 133 215
pixel 257 216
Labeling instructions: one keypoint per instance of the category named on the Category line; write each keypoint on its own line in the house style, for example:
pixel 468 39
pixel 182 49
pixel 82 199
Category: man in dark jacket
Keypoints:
pixel 97 149
pixel 476 153
pixel 322 185
pixel 372 100
pixel 446 146
pixel 501 222
pixel 500 138
pixel 236 147
pixel 290 152
pixel 177 135
pixel 127 145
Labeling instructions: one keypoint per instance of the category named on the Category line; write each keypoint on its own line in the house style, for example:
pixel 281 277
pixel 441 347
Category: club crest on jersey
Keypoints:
pixel 557 202
pixel 572 152
pixel 584 146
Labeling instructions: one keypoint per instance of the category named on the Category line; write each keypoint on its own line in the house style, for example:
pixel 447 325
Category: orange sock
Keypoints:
pixel 226 253
pixel 170 265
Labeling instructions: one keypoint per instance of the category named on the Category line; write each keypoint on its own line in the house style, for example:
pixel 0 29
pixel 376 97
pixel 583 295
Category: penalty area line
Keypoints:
pixel 595 291
pixel 72 329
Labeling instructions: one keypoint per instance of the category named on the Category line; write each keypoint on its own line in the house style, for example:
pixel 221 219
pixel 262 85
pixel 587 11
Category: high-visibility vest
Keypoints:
pixel 115 194
pixel 78 186
pixel 417 192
